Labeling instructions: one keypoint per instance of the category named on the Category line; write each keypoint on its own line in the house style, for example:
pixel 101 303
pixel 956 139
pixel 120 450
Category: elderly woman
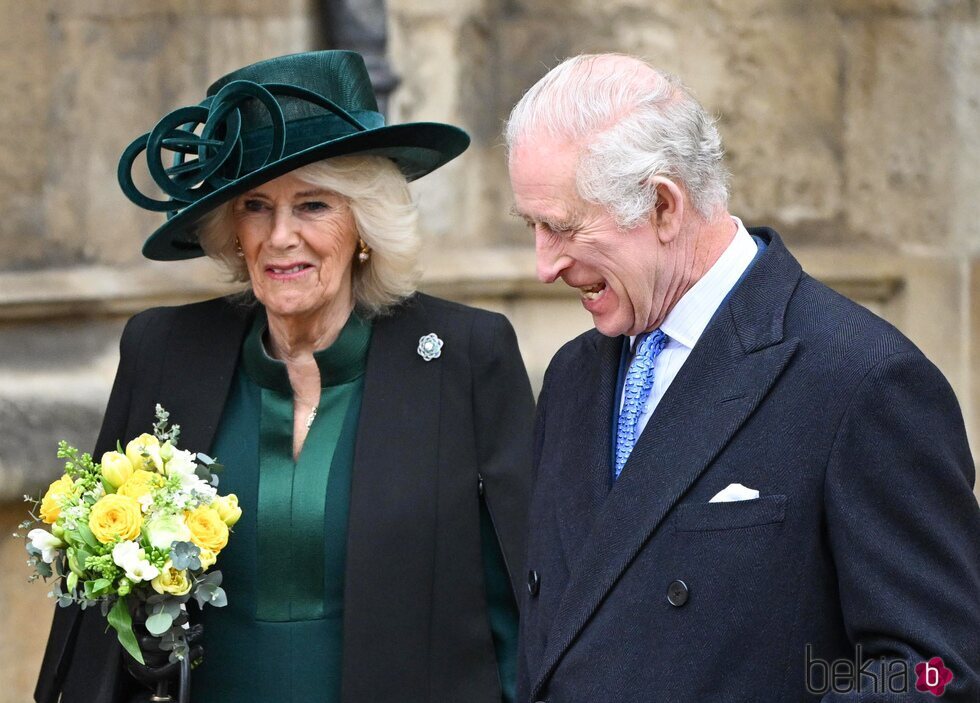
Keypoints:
pixel 378 439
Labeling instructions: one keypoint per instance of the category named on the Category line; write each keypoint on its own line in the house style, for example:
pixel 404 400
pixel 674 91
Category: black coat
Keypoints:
pixel 416 625
pixel 866 531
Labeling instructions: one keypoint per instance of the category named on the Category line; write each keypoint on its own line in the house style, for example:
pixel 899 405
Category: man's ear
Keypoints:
pixel 668 213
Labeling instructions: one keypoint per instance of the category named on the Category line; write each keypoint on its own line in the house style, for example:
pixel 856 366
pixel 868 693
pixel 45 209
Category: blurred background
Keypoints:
pixel 851 127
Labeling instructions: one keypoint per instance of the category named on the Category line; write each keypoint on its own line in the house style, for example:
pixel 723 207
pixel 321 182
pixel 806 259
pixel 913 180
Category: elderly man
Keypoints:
pixel 749 488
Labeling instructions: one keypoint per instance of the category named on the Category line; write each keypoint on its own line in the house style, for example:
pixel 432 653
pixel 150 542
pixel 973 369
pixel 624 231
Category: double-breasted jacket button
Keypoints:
pixel 677 593
pixel 479 484
pixel 533 582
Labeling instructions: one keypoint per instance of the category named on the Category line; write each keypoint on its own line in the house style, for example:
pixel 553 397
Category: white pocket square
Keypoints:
pixel 734 492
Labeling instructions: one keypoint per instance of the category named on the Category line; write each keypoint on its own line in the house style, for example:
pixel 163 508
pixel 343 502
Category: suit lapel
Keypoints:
pixel 584 491
pixel 734 364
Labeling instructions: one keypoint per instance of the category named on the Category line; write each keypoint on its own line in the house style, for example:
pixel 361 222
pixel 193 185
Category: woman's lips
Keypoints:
pixel 288 271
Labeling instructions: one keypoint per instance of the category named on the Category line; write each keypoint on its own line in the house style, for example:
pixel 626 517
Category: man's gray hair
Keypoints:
pixel 634 123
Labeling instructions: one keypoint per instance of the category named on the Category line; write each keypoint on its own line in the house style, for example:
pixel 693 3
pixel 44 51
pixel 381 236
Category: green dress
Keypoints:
pixel 280 638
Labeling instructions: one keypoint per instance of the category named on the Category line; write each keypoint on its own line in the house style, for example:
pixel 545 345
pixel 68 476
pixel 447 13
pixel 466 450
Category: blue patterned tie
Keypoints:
pixel 636 392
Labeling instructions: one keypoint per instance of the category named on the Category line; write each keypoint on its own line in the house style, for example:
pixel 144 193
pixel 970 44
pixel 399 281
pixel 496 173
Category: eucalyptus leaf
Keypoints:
pixel 159 623
pixel 43 569
pixel 219 599
pixel 172 608
pixel 122 622
pixel 64 600
pixel 185 555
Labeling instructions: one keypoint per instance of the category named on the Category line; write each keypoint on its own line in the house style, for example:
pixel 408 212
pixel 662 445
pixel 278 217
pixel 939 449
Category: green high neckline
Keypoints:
pixel 340 363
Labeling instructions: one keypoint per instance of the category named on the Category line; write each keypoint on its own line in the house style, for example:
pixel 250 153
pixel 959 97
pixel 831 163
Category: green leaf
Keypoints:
pixel 96 588
pixel 119 447
pixel 81 556
pixel 122 623
pixel 159 623
pixel 86 534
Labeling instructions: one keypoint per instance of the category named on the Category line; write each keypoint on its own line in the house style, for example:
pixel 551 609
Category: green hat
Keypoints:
pixel 263 121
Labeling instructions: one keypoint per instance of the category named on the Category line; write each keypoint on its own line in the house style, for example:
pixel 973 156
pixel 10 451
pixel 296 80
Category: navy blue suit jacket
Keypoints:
pixel 866 531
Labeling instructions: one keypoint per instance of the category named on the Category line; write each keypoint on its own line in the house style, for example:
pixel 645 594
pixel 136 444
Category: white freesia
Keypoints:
pixel 125 553
pixel 142 570
pixel 181 463
pixel 129 556
pixel 163 530
pixel 46 542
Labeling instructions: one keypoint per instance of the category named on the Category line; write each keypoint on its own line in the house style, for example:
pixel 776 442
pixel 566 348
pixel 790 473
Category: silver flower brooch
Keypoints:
pixel 430 346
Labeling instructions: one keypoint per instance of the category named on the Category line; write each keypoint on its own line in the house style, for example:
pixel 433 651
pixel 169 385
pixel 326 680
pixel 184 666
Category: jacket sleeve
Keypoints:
pixel 83 633
pixel 904 527
pixel 504 416
pixel 503 412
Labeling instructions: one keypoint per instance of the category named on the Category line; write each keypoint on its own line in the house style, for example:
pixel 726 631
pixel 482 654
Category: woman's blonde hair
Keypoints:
pixel 385 216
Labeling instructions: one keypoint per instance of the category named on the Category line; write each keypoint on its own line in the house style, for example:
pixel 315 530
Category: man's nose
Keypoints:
pixel 549 259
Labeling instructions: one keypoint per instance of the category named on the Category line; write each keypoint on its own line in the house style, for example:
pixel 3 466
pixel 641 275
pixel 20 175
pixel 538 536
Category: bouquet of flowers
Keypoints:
pixel 136 534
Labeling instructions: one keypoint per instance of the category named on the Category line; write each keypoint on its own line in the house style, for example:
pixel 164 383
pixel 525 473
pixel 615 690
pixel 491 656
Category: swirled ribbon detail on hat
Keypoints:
pixel 219 148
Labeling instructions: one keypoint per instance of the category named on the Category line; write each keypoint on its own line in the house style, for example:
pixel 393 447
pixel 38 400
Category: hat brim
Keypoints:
pixel 416 148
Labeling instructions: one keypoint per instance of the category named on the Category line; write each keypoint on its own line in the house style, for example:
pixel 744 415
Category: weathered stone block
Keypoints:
pixel 31 431
pixel 780 121
pixel 964 67
pixel 434 8
pixel 898 149
pixel 26 613
pixel 865 8
pixel 41 347
pixel 146 9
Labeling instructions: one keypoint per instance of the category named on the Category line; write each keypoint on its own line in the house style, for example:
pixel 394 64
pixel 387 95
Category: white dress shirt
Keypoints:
pixel 688 318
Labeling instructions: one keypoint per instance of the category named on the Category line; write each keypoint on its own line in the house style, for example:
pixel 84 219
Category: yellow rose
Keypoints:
pixel 208 558
pixel 140 484
pixel 171 580
pixel 115 517
pixel 208 530
pixel 227 507
pixel 51 502
pixel 144 453
pixel 116 468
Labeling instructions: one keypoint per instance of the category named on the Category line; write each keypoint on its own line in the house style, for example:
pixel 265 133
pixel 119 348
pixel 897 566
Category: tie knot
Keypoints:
pixel 650 344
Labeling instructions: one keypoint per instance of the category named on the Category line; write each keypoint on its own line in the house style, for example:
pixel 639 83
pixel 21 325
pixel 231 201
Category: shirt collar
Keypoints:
pixel 341 362
pixel 685 323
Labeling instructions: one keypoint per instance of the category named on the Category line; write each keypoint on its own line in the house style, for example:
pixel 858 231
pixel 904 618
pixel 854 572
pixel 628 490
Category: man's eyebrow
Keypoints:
pixel 558 225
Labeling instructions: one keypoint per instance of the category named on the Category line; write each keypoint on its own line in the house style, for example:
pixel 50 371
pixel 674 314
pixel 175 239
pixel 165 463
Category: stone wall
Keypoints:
pixel 850 127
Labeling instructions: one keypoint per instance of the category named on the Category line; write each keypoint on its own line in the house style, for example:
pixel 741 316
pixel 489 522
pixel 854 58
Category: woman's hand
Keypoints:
pixel 158 666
